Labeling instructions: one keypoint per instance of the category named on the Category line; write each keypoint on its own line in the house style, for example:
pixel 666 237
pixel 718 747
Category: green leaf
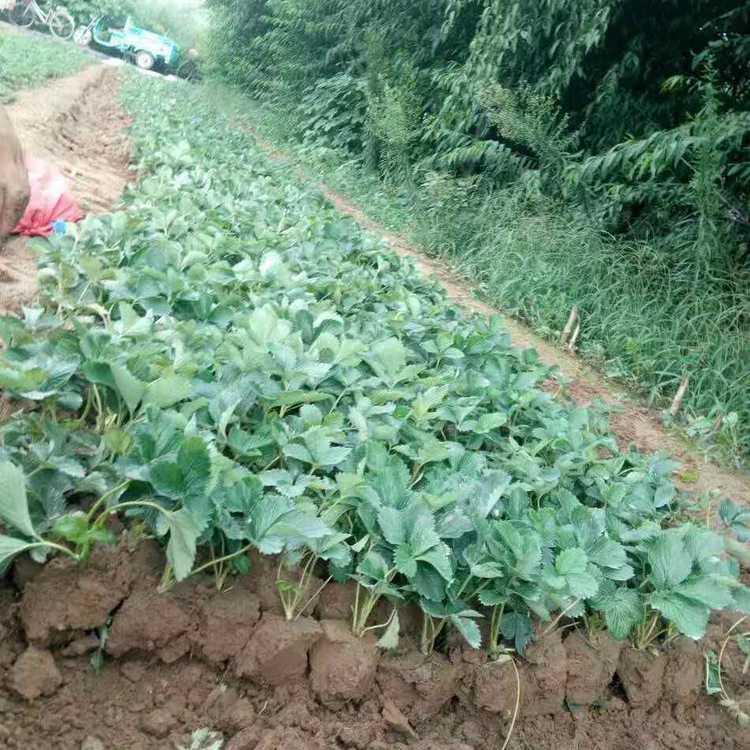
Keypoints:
pixel 517 627
pixel 440 559
pixel 707 591
pixel 669 559
pixel 623 610
pixel 184 531
pixel 390 638
pixel 10 548
pixel 130 388
pixel 688 616
pixel 468 629
pixel 167 391
pixel 571 561
pixel 392 525
pixel 14 506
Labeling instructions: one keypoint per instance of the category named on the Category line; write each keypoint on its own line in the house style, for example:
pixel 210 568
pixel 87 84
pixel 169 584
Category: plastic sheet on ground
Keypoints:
pixel 50 202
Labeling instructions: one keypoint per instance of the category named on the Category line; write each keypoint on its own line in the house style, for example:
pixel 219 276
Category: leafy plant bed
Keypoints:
pixel 27 62
pixel 170 664
pixel 229 368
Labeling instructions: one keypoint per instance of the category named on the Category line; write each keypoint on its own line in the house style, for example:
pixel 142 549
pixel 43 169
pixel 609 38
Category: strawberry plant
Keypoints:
pixel 232 366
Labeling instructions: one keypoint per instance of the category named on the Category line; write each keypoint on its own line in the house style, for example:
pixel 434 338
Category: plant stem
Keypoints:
pixel 220 560
pixel 103 499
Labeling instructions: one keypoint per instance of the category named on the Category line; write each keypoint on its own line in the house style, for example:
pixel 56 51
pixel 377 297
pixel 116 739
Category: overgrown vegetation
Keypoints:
pixel 231 365
pixel 21 70
pixel 561 153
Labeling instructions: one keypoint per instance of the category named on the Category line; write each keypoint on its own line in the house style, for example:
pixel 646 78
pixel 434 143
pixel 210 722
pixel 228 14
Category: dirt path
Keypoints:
pixel 76 124
pixel 631 420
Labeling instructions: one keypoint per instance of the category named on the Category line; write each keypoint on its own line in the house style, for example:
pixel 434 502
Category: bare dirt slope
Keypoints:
pixel 76 124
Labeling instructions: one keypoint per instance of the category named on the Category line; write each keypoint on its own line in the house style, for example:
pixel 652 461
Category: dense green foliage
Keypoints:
pixel 564 152
pixel 25 65
pixel 233 365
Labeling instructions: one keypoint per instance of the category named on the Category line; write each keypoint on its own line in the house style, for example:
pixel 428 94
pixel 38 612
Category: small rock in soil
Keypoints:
pixel 92 743
pixel 277 651
pixel 591 665
pixel 133 670
pixel 227 622
pixel 342 666
pixel 158 723
pixel 642 676
pixel 35 674
pixel 146 622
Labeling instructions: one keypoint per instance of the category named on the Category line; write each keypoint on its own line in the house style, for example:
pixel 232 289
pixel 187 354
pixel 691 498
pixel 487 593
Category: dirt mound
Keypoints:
pixel 198 658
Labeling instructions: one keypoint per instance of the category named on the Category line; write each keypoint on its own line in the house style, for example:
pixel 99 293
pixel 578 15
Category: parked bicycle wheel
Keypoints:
pixel 22 14
pixel 83 36
pixel 62 24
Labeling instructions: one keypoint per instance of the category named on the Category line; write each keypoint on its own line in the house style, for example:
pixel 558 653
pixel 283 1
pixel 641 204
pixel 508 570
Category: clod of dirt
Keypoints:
pixel 158 723
pixel 277 651
pixel 544 676
pixel 419 686
pixel 247 739
pixel 35 674
pixel 495 688
pixel 148 621
pixel 92 743
pixel 591 666
pixel 226 624
pixel 61 600
pixel 342 666
pixel 336 601
pixel 683 676
pixel 642 676
pixel 396 720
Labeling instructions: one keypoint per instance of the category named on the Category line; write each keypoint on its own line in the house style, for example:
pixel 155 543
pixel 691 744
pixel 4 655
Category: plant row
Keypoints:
pixel 230 365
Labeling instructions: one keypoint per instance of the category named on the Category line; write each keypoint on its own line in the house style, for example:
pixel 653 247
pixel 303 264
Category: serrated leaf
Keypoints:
pixel 184 531
pixel 10 548
pixel 392 525
pixel 688 616
pixel 707 591
pixel 167 391
pixel 390 638
pixel 623 610
pixel 14 506
pixel 468 629
pixel 670 560
pixel 130 388
pixel 517 627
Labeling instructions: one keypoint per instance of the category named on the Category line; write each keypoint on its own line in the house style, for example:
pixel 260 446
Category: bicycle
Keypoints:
pixel 26 13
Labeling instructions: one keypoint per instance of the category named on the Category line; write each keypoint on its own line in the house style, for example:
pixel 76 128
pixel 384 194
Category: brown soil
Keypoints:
pixel 78 125
pixel 197 658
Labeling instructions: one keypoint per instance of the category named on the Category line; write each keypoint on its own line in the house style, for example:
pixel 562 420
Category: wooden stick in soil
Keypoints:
pixel 574 338
pixel 572 319
pixel 679 396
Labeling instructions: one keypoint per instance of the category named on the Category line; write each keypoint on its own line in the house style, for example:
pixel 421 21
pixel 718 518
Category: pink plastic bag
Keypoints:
pixel 50 200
